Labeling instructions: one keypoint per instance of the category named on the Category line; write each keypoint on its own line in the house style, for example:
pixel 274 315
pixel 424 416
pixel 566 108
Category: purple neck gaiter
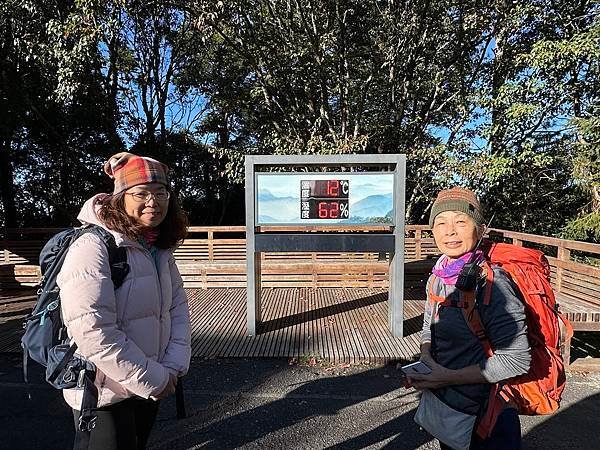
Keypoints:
pixel 448 270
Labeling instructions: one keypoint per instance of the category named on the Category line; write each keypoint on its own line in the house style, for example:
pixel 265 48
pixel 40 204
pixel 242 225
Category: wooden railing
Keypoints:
pixel 228 243
pixel 215 257
pixel 571 279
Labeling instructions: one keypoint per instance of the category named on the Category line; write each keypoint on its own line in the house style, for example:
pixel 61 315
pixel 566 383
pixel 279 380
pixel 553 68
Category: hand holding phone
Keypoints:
pixel 418 367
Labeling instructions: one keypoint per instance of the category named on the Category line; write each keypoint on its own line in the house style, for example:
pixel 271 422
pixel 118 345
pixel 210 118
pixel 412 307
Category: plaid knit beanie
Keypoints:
pixel 129 170
pixel 457 199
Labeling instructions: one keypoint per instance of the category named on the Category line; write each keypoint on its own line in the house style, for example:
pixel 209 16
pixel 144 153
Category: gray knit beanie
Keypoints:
pixel 457 199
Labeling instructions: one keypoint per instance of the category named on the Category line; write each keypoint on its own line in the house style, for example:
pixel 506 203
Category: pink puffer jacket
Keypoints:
pixel 135 335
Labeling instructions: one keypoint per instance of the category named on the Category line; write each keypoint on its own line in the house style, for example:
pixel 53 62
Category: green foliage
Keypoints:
pixel 532 192
pixel 586 228
pixel 586 165
pixel 497 96
pixel 542 167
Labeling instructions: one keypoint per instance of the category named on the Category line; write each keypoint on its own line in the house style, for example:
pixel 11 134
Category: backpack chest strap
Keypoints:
pixel 464 299
pixel 440 300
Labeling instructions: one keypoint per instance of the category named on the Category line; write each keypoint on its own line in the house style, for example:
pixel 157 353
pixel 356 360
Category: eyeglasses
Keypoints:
pixel 143 197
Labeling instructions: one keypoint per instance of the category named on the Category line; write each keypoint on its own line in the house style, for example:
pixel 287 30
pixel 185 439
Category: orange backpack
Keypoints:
pixel 539 391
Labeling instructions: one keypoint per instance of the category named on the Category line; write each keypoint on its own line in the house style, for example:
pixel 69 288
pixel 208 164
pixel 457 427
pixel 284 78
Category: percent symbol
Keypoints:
pixel 344 210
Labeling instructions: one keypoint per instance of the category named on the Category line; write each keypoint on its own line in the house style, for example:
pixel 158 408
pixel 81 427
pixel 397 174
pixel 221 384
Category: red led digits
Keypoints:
pixel 324 199
pixel 323 210
pixel 334 210
pixel 333 188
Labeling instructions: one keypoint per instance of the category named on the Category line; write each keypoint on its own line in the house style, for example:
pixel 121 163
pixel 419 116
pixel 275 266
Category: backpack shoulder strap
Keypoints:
pixel 471 314
pixel 497 398
pixel 433 297
pixel 489 280
pixel 117 256
pixel 473 319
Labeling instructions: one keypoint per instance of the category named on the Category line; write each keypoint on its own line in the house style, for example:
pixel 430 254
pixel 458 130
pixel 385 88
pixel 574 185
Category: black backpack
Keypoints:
pixel 45 339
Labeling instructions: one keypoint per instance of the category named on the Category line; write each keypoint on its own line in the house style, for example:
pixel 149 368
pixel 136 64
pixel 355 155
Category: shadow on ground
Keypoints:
pixel 574 426
pixel 290 407
pixel 257 404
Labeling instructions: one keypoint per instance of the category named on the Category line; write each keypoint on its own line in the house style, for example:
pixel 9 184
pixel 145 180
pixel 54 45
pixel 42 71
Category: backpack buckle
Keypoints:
pixel 87 421
pixel 81 379
pixel 68 376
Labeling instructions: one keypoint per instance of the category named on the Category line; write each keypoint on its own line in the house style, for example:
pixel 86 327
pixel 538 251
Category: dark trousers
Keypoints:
pixel 506 434
pixel 124 425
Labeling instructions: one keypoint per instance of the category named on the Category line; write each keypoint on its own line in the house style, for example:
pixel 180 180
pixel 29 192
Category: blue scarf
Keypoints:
pixel 153 249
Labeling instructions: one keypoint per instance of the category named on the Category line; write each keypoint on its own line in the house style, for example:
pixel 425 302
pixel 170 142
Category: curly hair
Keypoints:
pixel 172 230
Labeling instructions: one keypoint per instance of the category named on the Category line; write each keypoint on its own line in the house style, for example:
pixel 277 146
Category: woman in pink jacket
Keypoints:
pixel 137 336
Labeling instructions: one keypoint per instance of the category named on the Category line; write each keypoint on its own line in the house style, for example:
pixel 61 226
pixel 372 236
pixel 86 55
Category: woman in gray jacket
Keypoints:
pixel 461 372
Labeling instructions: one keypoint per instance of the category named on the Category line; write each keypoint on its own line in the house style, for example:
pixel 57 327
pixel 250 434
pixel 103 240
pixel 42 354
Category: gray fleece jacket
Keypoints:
pixel 455 346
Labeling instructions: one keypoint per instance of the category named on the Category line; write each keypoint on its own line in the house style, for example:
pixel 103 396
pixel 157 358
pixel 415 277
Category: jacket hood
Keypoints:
pixel 89 216
pixel 89 212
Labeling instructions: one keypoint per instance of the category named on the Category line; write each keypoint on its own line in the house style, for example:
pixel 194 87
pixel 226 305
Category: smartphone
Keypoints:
pixel 416 367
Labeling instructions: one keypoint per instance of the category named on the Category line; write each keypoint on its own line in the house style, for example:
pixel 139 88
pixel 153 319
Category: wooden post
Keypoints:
pixel 563 254
pixel 565 345
pixel 418 244
pixel 211 255
pixel 313 256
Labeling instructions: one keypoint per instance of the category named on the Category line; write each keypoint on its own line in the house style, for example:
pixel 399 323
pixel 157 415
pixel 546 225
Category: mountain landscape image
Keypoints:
pixel 374 208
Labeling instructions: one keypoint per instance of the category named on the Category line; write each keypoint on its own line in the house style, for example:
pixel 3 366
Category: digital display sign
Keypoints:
pixel 324 199
pixel 330 198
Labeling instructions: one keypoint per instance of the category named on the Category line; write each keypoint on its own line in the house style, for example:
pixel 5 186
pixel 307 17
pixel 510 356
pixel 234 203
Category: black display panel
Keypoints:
pixel 324 199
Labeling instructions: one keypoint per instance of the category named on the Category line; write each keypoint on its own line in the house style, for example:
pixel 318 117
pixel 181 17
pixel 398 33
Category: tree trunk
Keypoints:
pixel 7 127
pixel 7 188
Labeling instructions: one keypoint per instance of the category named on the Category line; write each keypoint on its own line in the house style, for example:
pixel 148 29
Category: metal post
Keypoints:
pixel 396 290
pixel 252 257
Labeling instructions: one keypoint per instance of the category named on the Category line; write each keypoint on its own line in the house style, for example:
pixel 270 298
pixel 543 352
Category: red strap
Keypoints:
pixel 495 407
pixel 496 400
pixel 474 321
pixel 433 298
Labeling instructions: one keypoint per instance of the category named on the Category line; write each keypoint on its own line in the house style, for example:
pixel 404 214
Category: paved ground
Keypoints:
pixel 256 404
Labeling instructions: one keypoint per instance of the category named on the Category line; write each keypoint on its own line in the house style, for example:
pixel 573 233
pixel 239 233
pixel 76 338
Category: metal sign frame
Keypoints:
pixel 393 242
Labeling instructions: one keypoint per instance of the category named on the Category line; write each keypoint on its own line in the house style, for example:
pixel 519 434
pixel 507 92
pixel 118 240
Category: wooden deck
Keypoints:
pixel 14 307
pixel 336 325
